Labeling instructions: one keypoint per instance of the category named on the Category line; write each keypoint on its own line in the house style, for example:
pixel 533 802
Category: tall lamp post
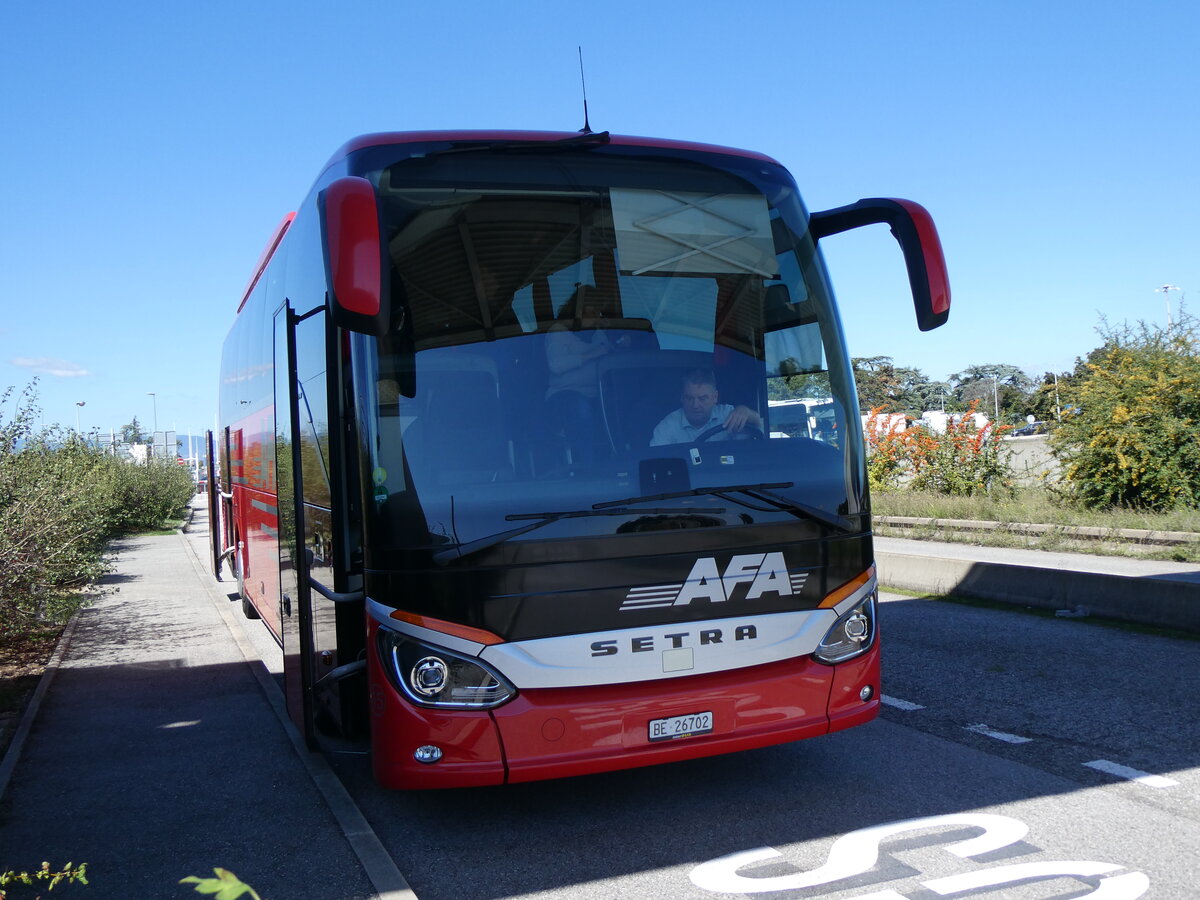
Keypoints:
pixel 996 397
pixel 154 437
pixel 1165 290
pixel 78 403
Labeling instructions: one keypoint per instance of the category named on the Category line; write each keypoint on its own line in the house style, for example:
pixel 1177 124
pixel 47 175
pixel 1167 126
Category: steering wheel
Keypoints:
pixel 753 430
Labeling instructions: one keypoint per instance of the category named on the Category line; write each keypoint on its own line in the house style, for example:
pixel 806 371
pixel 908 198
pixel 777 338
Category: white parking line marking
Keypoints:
pixel 898 703
pixel 998 735
pixel 1112 768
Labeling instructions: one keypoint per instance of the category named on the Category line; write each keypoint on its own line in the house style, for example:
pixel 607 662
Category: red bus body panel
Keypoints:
pixel 562 732
pixel 256 513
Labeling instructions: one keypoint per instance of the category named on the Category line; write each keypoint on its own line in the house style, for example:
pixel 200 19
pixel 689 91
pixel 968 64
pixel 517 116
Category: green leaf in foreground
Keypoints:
pixel 226 886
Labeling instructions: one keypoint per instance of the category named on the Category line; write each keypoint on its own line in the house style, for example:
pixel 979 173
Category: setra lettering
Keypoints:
pixel 675 640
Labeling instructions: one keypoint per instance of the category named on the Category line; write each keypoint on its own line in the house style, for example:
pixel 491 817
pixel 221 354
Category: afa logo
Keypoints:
pixel 746 577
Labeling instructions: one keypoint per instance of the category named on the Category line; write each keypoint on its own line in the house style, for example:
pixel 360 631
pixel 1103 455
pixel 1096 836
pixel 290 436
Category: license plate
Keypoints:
pixel 675 727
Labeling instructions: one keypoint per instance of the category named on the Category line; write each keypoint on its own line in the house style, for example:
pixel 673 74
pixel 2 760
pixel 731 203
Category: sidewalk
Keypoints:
pixel 157 752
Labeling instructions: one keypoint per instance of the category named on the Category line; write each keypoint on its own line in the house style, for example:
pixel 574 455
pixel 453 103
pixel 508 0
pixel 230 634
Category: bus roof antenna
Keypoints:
pixel 586 129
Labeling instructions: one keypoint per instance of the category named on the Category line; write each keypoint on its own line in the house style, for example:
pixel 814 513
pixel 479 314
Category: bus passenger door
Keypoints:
pixel 322 683
pixel 295 613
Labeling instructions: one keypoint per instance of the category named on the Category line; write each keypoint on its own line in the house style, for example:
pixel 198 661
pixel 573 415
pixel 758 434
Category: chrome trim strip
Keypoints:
pixel 569 661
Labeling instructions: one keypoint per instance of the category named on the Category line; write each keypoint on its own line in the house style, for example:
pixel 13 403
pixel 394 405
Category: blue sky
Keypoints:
pixel 149 150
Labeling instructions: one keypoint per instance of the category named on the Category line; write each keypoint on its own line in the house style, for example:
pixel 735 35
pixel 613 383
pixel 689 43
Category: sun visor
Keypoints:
pixel 684 233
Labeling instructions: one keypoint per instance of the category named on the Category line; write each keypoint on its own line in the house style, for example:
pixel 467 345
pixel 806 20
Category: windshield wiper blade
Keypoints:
pixel 761 492
pixel 803 510
pixel 458 551
pixel 592 139
pixel 695 492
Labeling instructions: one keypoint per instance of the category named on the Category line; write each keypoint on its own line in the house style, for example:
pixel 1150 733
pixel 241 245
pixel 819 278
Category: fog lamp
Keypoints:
pixel 427 754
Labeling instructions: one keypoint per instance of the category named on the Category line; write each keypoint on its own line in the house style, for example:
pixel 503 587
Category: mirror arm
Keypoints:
pixel 913 228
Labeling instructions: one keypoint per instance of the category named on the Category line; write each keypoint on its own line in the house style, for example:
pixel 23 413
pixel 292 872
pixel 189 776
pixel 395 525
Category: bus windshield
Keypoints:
pixel 570 330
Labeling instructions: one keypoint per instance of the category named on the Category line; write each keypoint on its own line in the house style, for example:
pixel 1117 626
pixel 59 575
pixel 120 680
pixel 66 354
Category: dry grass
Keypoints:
pixel 1031 505
pixel 1035 506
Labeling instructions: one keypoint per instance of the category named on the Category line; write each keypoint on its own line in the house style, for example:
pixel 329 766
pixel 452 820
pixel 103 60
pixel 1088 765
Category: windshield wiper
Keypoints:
pixel 592 139
pixel 761 492
pixel 458 551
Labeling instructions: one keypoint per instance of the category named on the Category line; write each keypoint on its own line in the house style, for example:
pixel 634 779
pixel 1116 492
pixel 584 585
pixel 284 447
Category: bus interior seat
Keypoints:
pixel 459 434
pixel 538 447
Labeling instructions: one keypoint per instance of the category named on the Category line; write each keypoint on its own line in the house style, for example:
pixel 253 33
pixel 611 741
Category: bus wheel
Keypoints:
pixel 248 609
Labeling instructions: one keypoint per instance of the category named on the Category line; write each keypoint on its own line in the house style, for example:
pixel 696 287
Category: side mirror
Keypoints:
pixel 353 247
pixel 913 228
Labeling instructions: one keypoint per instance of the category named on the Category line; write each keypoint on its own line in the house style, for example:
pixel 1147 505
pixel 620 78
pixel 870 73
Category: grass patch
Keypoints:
pixel 1032 505
pixel 1035 506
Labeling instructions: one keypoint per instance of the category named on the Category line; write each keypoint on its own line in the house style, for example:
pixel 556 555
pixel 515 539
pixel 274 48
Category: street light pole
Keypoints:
pixel 1165 290
pixel 78 403
pixel 996 396
pixel 153 437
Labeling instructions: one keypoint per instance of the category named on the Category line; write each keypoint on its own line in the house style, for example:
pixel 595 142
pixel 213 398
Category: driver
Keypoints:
pixel 699 411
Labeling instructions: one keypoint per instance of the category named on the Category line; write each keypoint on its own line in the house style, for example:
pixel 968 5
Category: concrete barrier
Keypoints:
pixel 1168 599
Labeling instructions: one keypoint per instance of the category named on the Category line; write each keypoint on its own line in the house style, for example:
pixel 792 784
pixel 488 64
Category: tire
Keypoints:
pixel 248 609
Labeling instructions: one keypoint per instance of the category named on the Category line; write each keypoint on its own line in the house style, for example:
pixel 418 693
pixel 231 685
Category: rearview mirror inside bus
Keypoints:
pixel 353 255
pixel 913 228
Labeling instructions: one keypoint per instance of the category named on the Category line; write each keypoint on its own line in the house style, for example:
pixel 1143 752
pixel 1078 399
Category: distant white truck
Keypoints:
pixel 809 417
pixel 938 421
pixel 884 423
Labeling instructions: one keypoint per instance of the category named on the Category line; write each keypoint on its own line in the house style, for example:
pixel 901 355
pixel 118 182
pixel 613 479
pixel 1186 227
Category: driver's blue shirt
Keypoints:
pixel 676 429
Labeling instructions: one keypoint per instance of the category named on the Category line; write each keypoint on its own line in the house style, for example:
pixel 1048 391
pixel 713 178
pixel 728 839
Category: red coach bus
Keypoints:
pixel 499 467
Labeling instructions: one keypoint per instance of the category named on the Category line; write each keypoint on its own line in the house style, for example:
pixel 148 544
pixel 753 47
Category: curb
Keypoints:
pixel 1157 600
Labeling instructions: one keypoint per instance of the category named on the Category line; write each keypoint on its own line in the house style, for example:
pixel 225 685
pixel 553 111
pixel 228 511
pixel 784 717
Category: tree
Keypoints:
pixel 995 387
pixel 889 388
pixel 133 434
pixel 1046 401
pixel 1132 436
pixel 878 387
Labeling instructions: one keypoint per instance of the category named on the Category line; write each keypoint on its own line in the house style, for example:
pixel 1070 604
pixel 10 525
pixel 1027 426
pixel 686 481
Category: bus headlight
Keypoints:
pixel 434 676
pixel 852 635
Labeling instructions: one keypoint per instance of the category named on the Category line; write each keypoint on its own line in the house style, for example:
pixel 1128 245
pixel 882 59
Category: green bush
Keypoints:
pixel 61 500
pixel 1132 438
pixel 963 461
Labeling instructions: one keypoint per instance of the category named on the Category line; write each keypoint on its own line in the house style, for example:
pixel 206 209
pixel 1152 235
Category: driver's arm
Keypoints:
pixel 740 416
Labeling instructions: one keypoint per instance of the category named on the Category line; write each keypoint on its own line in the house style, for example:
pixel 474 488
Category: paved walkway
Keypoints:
pixel 158 751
